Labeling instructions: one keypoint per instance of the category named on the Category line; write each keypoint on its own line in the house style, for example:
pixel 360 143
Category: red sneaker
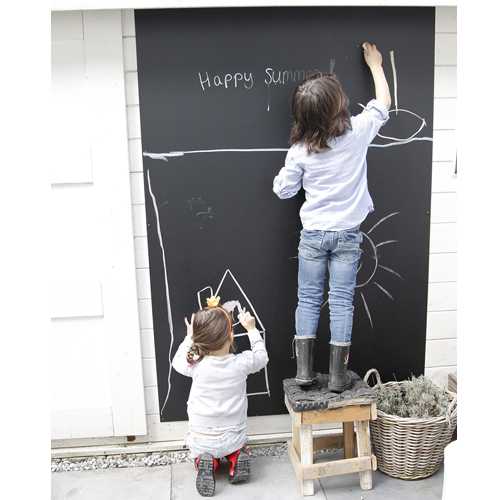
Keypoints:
pixel 206 465
pixel 239 466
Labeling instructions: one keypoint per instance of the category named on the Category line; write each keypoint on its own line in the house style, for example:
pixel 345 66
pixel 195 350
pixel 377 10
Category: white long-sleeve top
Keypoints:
pixel 335 180
pixel 218 393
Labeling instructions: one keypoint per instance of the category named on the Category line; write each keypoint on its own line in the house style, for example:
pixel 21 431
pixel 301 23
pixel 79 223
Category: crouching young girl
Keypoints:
pixel 217 404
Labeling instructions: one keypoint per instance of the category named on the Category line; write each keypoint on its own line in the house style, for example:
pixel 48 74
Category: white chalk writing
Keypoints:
pixel 226 80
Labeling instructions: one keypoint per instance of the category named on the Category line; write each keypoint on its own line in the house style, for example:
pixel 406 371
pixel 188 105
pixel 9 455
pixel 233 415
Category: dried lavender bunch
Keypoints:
pixel 417 397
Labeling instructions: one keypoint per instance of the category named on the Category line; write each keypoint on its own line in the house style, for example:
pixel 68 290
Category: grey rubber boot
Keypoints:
pixel 339 380
pixel 304 350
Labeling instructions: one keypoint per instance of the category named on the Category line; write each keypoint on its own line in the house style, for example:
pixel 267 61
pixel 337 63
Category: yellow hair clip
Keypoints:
pixel 213 301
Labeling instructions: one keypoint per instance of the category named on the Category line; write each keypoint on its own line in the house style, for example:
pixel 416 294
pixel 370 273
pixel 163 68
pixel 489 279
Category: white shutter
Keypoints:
pixel 96 359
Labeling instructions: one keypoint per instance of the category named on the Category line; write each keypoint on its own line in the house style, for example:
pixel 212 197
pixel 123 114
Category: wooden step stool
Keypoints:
pixel 317 405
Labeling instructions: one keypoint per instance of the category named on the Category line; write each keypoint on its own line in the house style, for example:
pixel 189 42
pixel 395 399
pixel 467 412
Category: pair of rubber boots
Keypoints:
pixel 207 465
pixel 339 379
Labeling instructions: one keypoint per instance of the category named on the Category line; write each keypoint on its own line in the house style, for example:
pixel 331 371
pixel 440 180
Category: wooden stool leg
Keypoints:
pixel 364 450
pixel 348 431
pixel 296 437
pixel 306 457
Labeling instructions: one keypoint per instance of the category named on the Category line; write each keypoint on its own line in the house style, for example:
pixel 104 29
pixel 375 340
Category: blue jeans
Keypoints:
pixel 335 253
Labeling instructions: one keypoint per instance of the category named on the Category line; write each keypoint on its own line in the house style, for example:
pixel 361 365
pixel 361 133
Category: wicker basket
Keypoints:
pixel 411 448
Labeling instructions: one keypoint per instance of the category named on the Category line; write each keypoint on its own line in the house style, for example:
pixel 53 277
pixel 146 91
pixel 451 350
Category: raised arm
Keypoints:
pixel 180 363
pixel 254 360
pixel 373 59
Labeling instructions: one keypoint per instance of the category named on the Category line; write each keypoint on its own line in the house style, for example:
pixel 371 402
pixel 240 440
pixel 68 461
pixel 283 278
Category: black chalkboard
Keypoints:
pixel 221 79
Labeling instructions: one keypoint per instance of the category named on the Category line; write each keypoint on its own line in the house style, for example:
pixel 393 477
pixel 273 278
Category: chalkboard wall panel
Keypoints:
pixel 212 211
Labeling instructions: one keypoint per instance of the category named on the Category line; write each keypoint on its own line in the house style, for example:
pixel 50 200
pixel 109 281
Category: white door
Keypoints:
pixel 97 387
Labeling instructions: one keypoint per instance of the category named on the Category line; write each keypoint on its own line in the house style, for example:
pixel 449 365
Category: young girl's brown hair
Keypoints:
pixel 212 329
pixel 320 112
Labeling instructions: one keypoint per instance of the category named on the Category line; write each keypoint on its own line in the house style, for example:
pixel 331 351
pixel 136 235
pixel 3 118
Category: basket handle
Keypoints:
pixel 452 410
pixel 377 376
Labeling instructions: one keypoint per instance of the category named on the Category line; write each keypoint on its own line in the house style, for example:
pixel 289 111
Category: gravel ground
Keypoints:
pixel 148 459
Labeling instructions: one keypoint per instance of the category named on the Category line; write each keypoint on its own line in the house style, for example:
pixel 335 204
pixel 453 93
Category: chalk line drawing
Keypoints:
pixel 228 279
pixel 398 141
pixel 203 212
pixel 371 257
pixel 395 80
pixel 394 141
pixel 176 154
pixel 167 289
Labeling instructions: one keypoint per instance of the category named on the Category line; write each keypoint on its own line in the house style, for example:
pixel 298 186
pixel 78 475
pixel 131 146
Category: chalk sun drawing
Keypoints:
pixel 371 258
pixel 230 288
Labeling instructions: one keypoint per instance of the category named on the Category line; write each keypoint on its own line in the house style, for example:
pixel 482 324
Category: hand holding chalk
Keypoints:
pixel 189 326
pixel 246 320
pixel 372 56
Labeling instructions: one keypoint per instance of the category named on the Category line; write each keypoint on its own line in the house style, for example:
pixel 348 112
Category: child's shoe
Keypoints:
pixel 239 466
pixel 206 465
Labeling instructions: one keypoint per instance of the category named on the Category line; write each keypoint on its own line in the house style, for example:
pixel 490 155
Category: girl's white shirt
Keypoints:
pixel 335 180
pixel 217 399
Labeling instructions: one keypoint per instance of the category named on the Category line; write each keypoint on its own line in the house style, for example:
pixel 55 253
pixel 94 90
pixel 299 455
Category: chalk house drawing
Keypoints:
pixel 235 298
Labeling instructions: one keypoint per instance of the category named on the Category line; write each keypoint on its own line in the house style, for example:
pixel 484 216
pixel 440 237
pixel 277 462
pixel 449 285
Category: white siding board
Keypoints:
pixel 441 325
pixel 445 81
pixel 132 88
pixel 145 313
pixel 67 25
pixel 139 220
pixel 130 54
pixel 443 207
pixel 439 375
pixel 137 188
pixel 103 26
pixel 443 238
pixel 442 267
pixel 152 404
pixel 444 146
pixel 442 297
pixel 141 252
pixel 446 49
pixel 441 352
pixel 133 122
pixel 445 114
pixel 135 155
pixel 128 22
pixel 143 284
pixel 444 179
pixel 446 19
pixel 147 343
pixel 149 372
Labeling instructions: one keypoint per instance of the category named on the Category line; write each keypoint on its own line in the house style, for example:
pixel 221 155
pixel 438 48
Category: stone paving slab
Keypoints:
pixel 129 483
pixel 272 479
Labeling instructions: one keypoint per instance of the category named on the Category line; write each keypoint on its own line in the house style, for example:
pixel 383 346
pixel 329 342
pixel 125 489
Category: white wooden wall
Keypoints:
pixel 441 346
pixel 441 331
pixel 97 387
